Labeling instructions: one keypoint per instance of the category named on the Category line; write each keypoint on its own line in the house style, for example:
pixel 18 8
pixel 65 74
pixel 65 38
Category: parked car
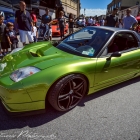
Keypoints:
pixel 56 30
pixel 62 73
pixel 8 16
pixel 78 23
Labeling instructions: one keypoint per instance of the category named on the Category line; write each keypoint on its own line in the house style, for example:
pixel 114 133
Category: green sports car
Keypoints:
pixel 61 73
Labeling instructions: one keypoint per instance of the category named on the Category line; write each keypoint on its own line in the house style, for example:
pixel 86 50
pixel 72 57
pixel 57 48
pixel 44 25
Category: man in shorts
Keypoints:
pixel 24 22
pixel 47 20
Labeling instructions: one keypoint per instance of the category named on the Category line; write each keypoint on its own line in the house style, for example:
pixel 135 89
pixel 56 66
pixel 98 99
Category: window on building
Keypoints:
pixel 76 1
pixel 112 8
pixel 107 10
pixel 119 4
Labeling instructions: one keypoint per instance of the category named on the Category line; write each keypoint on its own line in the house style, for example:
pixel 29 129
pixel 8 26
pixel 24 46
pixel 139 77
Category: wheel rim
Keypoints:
pixel 71 93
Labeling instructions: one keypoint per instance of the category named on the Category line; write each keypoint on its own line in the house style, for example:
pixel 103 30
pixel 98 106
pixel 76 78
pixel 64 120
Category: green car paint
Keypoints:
pixel 30 93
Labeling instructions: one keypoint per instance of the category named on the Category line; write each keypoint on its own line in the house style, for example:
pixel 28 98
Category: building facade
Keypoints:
pixel 69 6
pixel 121 5
pixel 101 17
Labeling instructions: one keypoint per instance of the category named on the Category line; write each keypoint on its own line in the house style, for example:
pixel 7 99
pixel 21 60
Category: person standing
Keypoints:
pixel 61 23
pixel 24 22
pixel 11 36
pixel 129 21
pixel 83 22
pixel 71 23
pixel 35 33
pixel 34 18
pixel 112 20
pixel 102 21
pixel 120 23
pixel 90 21
pixel 3 40
pixel 93 21
pixel 47 20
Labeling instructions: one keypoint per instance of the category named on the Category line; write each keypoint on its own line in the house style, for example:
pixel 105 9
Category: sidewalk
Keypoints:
pixel 53 38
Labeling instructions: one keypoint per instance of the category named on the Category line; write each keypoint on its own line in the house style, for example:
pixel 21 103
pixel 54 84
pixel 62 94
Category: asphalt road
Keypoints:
pixel 110 114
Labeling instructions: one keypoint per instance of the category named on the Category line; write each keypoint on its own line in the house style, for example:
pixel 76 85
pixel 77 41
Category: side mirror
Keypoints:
pixel 115 54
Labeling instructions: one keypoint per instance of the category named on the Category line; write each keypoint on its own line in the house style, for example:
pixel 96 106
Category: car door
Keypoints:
pixel 118 69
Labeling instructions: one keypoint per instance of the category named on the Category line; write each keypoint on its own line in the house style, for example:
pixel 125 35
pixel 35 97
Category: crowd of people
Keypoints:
pixel 25 25
pixel 92 21
pixel 112 20
pixel 127 22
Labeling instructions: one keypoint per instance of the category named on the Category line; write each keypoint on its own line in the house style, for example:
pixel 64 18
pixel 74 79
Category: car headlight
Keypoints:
pixel 23 73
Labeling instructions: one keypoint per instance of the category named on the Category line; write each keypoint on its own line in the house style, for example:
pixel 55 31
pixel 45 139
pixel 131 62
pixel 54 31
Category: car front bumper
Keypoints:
pixel 16 101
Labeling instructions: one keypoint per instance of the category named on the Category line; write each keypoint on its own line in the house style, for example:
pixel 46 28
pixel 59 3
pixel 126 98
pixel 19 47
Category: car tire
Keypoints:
pixel 66 93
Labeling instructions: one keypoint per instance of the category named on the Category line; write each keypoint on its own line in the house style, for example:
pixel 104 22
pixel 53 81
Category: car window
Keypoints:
pixel 84 34
pixel 88 41
pixel 122 42
pixel 9 14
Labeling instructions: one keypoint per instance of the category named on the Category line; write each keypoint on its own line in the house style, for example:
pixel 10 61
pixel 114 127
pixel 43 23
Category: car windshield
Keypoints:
pixel 86 42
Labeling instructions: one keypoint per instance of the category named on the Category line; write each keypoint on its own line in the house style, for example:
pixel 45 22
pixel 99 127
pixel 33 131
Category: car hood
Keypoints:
pixel 41 55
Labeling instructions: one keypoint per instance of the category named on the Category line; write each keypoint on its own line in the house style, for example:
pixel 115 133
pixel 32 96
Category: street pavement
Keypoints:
pixel 54 38
pixel 110 114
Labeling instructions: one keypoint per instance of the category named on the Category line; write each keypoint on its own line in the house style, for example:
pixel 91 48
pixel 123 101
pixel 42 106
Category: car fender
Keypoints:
pixel 47 77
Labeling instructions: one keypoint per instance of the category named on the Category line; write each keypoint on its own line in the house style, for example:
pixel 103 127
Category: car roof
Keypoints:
pixel 6 11
pixel 109 28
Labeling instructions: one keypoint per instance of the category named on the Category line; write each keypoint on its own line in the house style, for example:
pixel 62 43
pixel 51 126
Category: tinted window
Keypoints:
pixel 122 42
pixel 9 15
pixel 86 42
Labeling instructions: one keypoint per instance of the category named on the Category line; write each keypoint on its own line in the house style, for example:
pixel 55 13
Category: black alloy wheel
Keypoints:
pixel 68 92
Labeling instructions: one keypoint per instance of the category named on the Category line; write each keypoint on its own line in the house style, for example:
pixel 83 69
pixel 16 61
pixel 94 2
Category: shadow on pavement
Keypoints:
pixel 8 122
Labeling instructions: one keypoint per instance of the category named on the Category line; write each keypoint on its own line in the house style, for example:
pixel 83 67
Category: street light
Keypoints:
pixel 84 11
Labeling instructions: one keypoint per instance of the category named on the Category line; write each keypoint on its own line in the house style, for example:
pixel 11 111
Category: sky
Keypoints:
pixel 94 7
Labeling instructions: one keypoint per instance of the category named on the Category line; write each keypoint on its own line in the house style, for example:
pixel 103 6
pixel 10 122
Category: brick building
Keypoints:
pixel 121 4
